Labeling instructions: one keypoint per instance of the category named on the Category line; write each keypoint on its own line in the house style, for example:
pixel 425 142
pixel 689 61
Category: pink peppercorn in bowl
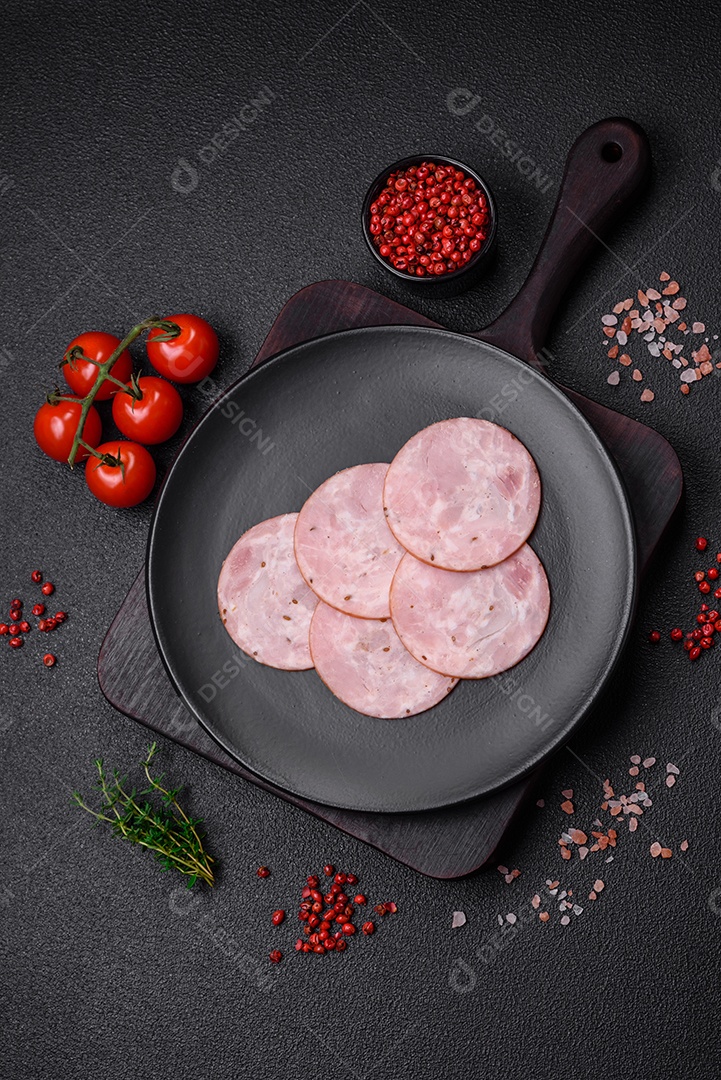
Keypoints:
pixel 426 212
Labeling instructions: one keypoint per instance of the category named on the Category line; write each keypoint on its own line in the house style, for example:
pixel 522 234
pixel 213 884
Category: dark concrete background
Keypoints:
pixel 104 971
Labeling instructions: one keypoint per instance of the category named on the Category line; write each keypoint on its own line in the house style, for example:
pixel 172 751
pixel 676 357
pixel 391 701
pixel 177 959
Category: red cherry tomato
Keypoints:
pixel 80 375
pixel 107 482
pixel 155 417
pixel 55 427
pixel 189 357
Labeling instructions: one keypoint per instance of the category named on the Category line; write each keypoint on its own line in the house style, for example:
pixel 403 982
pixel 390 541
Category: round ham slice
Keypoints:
pixel 264 602
pixel 343 546
pixel 363 662
pixel 471 625
pixel 462 494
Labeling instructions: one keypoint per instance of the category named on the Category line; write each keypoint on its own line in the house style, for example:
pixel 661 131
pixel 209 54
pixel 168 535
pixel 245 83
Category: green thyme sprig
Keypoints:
pixel 168 832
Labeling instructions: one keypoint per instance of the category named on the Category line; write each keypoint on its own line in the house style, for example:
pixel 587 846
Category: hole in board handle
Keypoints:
pixel 611 151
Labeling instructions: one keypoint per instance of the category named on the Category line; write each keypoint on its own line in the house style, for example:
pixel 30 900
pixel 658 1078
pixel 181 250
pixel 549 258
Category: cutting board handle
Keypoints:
pixel 605 168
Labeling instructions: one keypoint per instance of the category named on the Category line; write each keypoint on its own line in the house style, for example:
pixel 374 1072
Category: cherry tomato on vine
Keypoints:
pixel 155 417
pixel 116 487
pixel 189 357
pixel 80 375
pixel 55 427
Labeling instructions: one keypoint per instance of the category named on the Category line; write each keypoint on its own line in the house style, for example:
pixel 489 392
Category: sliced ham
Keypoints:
pixel 343 546
pixel 471 625
pixel 264 603
pixel 363 662
pixel 462 494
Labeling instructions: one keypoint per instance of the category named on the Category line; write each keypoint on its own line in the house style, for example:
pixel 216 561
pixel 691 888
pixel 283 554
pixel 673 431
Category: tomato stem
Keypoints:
pixel 170 330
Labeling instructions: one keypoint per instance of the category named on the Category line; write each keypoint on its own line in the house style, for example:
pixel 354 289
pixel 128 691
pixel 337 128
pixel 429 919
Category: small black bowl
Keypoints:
pixel 444 284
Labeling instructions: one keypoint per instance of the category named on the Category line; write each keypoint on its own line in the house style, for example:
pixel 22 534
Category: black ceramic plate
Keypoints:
pixel 265 445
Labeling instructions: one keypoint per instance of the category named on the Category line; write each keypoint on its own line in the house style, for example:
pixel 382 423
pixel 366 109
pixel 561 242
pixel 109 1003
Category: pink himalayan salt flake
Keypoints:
pixel 614 378
pixel 679 303
pixel 684 845
pixel 622 337
pixel 647 395
pixel 625 359
pixel 502 869
pixel 663 276
pixel 636 375
pixel 609 320
pixel 648 762
pixel 582 852
pixel 690 375
pixel 544 916
pixel 670 780
pixel 515 873
pixel 578 836
pixel 511 918
pixel 633 771
pixel 706 368
pixel 459 919
pixel 655 849
pixel 698 328
pixel 653 294
pixel 635 759
pixel 666 853
pixel 598 885
pixel 670 314
pixel 541 803
pixel 535 901
pixel 618 308
pixel 508 879
pixel 671 289
pixel 565 920
pixel 592 895
pixel 567 807
pixel 632 824
pixel 568 793
pixel 565 853
pixel 670 768
pixel 702 355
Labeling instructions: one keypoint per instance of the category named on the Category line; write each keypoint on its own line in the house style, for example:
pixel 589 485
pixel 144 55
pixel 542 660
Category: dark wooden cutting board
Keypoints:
pixel 445 843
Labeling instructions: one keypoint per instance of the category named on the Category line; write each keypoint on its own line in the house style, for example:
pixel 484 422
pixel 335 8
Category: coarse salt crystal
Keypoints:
pixel 565 920
pixel 535 901
pixel 655 849
pixel 698 327
pixel 684 845
pixel 670 780
pixel 621 337
pixel 609 320
pixel 672 769
pixel 459 919
pixel 614 378
pixel 511 918
pixel 647 395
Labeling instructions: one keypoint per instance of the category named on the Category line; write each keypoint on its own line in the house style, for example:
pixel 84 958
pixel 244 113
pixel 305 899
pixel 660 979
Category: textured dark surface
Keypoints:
pixel 101 973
